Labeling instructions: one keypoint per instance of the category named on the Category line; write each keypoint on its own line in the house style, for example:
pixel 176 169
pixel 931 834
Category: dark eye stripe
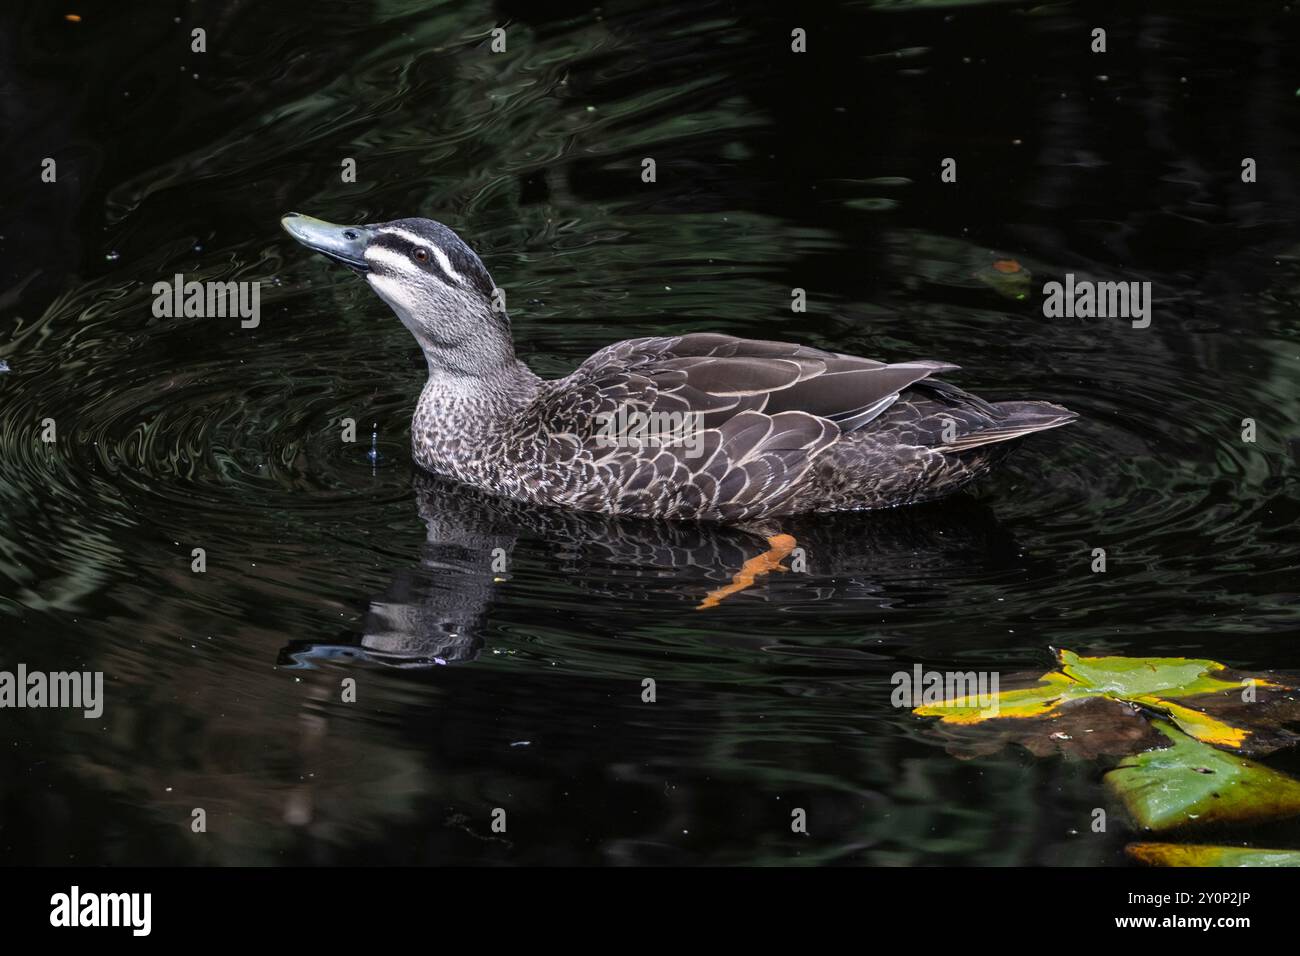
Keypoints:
pixel 405 247
pixel 463 270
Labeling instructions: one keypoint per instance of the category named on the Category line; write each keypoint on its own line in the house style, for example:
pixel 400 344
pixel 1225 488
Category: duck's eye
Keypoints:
pixel 421 255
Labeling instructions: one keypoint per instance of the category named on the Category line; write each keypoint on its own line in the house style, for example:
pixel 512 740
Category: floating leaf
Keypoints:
pixel 1007 277
pixel 1189 854
pixel 1200 725
pixel 1192 782
pixel 1024 702
pixel 1223 714
pixel 1134 677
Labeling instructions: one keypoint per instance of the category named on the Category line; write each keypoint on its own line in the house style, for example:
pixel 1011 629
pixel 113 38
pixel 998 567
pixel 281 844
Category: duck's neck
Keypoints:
pixel 479 369
pixel 497 390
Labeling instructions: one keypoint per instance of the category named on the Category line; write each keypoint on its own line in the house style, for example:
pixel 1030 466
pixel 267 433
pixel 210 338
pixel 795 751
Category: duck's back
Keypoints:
pixel 714 427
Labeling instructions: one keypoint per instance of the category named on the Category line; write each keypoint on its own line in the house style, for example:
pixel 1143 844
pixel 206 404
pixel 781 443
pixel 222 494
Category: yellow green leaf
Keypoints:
pixel 1200 725
pixel 1191 782
pixel 1148 682
pixel 1192 854
pixel 1132 677
pixel 1024 702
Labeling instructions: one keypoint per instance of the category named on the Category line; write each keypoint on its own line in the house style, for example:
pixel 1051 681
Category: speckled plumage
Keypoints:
pixel 770 448
pixel 781 429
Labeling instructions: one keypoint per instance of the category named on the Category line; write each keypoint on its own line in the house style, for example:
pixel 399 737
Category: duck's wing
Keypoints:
pixel 760 414
pixel 720 376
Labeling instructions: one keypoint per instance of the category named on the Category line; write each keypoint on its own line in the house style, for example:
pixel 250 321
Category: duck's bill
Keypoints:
pixel 345 244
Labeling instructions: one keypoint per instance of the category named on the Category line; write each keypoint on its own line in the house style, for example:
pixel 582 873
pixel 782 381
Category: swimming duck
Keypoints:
pixel 752 430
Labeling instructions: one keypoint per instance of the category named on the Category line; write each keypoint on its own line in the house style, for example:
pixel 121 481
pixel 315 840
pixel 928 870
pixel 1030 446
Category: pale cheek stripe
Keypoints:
pixel 396 259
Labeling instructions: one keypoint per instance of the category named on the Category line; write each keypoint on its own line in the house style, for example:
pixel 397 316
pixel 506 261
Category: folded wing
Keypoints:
pixel 761 413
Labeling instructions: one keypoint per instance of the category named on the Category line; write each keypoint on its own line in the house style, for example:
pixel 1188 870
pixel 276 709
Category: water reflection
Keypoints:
pixel 436 614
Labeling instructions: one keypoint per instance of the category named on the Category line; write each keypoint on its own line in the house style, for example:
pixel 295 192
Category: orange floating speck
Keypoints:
pixel 1007 265
pixel 72 17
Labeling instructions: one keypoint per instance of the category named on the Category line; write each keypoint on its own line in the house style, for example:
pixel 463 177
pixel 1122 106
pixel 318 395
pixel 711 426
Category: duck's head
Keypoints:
pixel 435 284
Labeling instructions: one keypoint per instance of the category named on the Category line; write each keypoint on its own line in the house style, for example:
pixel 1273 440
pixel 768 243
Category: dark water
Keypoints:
pixel 481 688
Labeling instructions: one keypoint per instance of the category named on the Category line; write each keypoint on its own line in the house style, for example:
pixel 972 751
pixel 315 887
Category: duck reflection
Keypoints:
pixel 435 613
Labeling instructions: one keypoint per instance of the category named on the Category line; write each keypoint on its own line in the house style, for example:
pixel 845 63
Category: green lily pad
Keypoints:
pixel 1191 782
pixel 1191 854
pixel 1133 677
pixel 1223 714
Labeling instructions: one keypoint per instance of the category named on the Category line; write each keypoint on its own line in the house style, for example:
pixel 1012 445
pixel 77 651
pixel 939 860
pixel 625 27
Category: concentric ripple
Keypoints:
pixel 199 529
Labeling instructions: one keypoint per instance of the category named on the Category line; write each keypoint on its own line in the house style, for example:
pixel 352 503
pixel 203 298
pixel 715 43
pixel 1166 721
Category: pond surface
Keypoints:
pixel 499 652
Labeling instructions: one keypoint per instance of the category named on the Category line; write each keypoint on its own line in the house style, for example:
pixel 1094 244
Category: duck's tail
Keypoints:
pixel 1011 420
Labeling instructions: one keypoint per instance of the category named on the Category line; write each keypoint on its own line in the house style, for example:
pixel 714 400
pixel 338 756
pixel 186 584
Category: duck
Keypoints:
pixel 699 426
